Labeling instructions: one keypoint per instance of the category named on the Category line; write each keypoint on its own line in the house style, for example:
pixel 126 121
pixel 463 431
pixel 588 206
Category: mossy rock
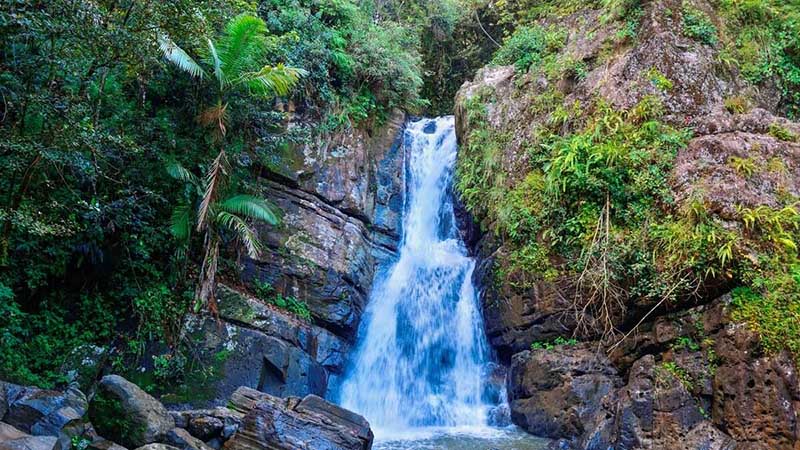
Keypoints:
pixel 124 413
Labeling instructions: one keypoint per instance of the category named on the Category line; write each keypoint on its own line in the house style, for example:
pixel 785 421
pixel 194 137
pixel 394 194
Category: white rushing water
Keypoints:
pixel 422 353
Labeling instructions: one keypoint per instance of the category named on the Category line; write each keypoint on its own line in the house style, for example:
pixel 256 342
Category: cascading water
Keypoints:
pixel 423 352
pixel 419 370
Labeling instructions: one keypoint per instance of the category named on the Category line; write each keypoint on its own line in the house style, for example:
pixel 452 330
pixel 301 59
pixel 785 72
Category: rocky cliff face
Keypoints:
pixel 686 377
pixel 342 203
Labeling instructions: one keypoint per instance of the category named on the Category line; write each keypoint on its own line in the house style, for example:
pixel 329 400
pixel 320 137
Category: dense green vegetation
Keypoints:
pixel 132 133
pixel 591 207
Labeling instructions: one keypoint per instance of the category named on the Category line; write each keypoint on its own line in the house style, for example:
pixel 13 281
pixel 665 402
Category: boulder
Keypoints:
pixel 655 410
pixel 756 397
pixel 123 412
pixel 30 443
pixel 104 444
pixel 245 356
pixel 207 424
pixel 309 423
pixel 342 201
pixel 43 412
pixel 183 440
pixel 564 392
pixel 9 432
pixel 157 446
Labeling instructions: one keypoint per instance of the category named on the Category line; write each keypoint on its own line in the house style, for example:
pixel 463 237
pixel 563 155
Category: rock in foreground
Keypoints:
pixel 310 423
pixel 125 413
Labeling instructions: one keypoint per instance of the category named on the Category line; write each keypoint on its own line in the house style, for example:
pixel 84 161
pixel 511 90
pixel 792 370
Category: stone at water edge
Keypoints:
pixel 294 424
pixel 123 412
pixel 655 410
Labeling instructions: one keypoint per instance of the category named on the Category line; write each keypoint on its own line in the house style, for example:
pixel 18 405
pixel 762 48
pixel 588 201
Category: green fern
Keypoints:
pixel 252 207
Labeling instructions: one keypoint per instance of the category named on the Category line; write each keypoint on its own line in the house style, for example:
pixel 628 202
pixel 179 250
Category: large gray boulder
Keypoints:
pixel 42 412
pixel 123 412
pixel 311 423
pixel 342 202
pixel 209 424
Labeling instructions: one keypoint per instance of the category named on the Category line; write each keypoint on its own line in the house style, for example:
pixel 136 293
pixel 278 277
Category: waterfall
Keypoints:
pixel 422 353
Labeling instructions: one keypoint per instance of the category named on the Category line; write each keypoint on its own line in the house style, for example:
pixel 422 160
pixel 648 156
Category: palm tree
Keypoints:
pixel 227 215
pixel 235 65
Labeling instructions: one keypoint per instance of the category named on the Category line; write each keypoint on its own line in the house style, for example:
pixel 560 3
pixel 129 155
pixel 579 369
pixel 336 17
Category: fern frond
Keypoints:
pixel 214 178
pixel 273 81
pixel 246 234
pixel 181 223
pixel 241 44
pixel 252 207
pixel 215 115
pixel 217 63
pixel 180 173
pixel 179 57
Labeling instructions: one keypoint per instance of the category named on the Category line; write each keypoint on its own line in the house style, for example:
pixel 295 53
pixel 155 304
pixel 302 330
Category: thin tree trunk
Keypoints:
pixel 206 286
pixel 15 203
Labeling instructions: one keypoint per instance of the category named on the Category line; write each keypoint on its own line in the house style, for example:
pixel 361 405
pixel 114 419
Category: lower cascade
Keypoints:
pixel 422 355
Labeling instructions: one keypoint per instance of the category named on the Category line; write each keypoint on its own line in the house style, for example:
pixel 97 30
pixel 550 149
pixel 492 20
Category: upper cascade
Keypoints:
pixel 422 352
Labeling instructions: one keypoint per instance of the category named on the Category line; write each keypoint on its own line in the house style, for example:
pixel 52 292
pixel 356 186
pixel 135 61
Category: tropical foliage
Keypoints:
pixel 236 62
pixel 128 136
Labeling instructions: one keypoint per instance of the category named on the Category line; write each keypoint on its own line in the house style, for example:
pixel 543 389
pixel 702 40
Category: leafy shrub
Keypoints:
pixel 671 369
pixel 744 166
pixel 527 46
pixel 784 134
pixel 737 104
pixel 349 58
pixel 266 292
pixel 685 343
pixel 697 25
pixel 557 342
pixel 659 80
pixel 761 42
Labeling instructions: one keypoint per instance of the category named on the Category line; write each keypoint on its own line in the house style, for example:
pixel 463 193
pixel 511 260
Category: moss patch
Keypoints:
pixel 111 421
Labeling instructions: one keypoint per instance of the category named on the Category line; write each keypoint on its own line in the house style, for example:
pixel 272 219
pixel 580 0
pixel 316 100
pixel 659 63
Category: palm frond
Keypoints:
pixel 181 222
pixel 180 173
pixel 245 233
pixel 214 178
pixel 241 44
pixel 217 63
pixel 273 81
pixel 215 115
pixel 179 57
pixel 252 207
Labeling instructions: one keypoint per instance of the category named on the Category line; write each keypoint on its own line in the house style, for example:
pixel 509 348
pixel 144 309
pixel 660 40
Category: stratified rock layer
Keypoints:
pixel 310 423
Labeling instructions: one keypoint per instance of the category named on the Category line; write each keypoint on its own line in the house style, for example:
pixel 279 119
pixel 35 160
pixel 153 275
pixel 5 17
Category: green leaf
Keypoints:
pixel 272 81
pixel 245 233
pixel 181 222
pixel 180 173
pixel 179 57
pixel 242 43
pixel 252 207
pixel 217 63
